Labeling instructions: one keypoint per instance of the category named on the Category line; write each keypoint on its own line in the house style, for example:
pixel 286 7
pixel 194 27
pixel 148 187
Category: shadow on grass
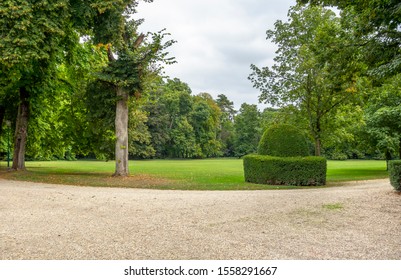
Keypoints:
pixel 92 179
pixel 105 179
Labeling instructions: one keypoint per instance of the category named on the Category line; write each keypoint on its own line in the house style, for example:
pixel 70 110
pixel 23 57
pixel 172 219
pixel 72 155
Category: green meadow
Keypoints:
pixel 207 174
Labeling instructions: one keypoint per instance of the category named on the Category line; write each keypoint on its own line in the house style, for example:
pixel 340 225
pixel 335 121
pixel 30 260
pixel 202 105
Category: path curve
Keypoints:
pixel 44 221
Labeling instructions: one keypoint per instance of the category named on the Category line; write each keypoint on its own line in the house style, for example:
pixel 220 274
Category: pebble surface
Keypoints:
pixel 359 220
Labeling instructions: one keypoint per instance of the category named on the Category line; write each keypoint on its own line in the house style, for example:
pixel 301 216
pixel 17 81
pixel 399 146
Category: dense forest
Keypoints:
pixel 336 75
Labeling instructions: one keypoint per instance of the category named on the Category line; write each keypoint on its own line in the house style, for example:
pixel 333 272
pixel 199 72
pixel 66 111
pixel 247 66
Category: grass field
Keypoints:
pixel 208 174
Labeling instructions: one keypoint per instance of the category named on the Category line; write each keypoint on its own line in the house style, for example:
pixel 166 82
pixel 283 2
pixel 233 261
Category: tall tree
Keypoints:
pixel 58 125
pixel 383 117
pixel 130 56
pixel 247 125
pixel 139 135
pixel 169 105
pixel 313 70
pixel 226 129
pixel 205 119
pixel 32 36
pixel 377 24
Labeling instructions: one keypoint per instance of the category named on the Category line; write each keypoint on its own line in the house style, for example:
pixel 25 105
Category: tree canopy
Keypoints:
pixel 313 69
pixel 377 25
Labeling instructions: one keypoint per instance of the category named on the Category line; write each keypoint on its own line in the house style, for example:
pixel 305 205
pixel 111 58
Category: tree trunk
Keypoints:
pixel 318 143
pixel 21 131
pixel 388 158
pixel 121 123
pixel 318 147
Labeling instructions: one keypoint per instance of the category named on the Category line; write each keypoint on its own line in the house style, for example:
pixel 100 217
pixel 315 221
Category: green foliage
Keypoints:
pixel 395 174
pixel 138 56
pixel 283 141
pixel 183 140
pixel 247 127
pixel 36 38
pixel 182 125
pixel 226 132
pixel 344 141
pixel 139 135
pixel 31 31
pixel 383 117
pixel 169 105
pixel 294 171
pixel 316 67
pixel 100 103
pixel 205 118
pixel 377 25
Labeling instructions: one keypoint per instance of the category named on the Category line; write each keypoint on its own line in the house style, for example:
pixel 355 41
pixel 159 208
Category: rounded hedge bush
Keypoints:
pixel 293 171
pixel 283 141
pixel 394 168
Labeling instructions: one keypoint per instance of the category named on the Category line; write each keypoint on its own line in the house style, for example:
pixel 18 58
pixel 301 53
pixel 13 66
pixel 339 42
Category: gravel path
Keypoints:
pixel 355 221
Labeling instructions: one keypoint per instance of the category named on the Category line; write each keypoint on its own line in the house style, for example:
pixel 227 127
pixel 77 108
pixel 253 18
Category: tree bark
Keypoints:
pixel 21 131
pixel 318 147
pixel 318 132
pixel 121 123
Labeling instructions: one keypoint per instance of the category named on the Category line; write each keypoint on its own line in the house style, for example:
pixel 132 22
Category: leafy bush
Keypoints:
pixel 338 156
pixel 295 171
pixel 283 141
pixel 394 168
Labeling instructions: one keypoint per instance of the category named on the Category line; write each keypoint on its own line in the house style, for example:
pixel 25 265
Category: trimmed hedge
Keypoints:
pixel 283 140
pixel 293 171
pixel 394 168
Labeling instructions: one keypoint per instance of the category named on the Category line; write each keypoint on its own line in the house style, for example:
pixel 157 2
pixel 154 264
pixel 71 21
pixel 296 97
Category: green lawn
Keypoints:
pixel 352 170
pixel 208 174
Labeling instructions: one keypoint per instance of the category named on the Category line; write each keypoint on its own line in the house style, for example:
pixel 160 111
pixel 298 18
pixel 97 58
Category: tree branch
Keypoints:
pixel 139 41
pixel 110 53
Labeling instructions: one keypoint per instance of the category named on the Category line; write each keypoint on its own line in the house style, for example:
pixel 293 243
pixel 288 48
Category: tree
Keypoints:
pixel 130 57
pixel 169 105
pixel 248 130
pixel 378 34
pixel 313 70
pixel 182 125
pixel 383 117
pixel 158 119
pixel 59 125
pixel 76 108
pixel 139 135
pixel 226 129
pixel 182 138
pixel 377 25
pixel 32 36
pixel 205 119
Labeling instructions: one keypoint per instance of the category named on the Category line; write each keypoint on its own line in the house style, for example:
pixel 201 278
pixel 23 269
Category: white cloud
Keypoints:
pixel 217 40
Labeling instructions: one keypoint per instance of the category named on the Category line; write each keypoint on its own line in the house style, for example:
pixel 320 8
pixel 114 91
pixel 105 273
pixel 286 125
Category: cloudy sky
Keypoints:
pixel 217 40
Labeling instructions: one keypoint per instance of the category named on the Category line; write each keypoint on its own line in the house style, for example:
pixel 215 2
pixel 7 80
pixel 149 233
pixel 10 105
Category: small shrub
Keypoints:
pixel 283 141
pixel 338 156
pixel 394 168
pixel 294 171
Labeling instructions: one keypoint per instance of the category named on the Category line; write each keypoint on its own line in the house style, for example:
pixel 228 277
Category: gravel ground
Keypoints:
pixel 355 221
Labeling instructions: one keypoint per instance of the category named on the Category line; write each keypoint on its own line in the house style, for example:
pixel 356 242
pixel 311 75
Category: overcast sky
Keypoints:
pixel 217 41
